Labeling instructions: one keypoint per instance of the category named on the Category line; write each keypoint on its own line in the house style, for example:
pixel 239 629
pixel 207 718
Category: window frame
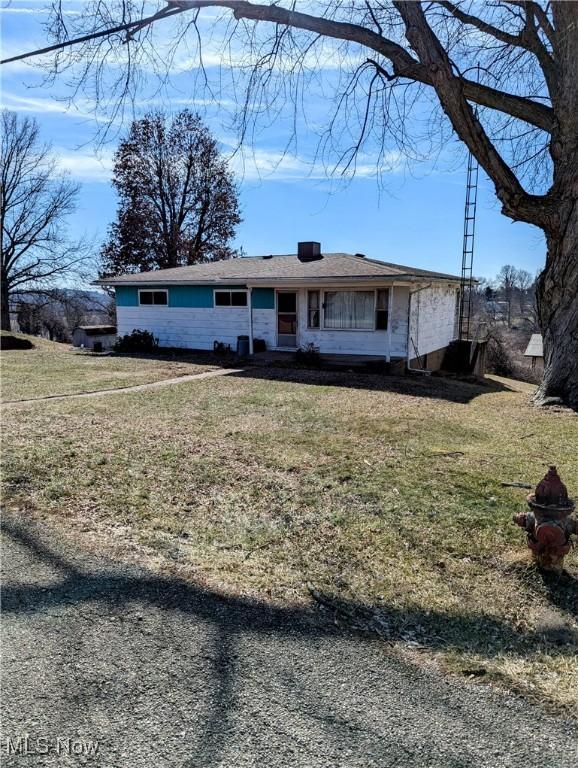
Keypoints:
pixel 153 290
pixel 319 309
pixel 387 293
pixel 323 327
pixel 230 291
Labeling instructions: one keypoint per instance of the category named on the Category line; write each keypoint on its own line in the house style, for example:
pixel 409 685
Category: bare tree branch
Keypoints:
pixel 423 40
pixel 404 65
pixel 34 201
pixel 130 26
pixel 526 38
pixel 390 59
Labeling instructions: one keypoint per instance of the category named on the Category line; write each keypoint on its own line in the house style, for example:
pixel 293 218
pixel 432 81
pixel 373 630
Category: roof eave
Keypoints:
pixel 272 281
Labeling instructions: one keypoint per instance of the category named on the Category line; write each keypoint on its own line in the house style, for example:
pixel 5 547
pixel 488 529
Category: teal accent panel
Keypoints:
pixel 126 296
pixel 263 298
pixel 200 296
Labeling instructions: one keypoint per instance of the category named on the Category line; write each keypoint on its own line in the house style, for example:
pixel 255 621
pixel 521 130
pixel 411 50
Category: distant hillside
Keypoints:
pixel 92 300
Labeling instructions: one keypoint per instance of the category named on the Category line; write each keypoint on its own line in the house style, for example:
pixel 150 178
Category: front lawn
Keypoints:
pixel 379 494
pixel 59 369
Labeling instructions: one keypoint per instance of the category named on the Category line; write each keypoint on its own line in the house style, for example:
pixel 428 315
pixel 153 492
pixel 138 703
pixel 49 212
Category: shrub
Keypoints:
pixel 7 341
pixel 137 341
pixel 308 355
pixel 498 357
pixel 222 349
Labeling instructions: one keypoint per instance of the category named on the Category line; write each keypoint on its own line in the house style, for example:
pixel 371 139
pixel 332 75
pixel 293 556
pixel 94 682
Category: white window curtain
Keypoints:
pixel 354 310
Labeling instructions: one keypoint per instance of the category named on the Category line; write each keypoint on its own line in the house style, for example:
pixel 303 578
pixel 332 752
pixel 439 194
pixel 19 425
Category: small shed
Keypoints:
pixel 96 337
pixel 535 350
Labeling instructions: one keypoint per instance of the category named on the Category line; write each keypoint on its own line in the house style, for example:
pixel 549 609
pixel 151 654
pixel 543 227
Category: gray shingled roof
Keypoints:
pixel 535 346
pixel 338 266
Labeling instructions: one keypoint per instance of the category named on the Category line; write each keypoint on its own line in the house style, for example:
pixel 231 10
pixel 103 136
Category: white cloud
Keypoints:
pixel 79 109
pixel 249 165
pixel 18 103
pixel 273 165
pixel 86 165
pixel 36 11
pixel 327 57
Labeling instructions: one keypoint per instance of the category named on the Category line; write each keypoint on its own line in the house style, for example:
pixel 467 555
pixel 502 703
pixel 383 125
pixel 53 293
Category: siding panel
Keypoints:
pixel 264 326
pixel 200 296
pixel 263 298
pixel 359 342
pixel 199 327
pixel 194 296
pixel 187 327
pixel 126 296
pixel 433 318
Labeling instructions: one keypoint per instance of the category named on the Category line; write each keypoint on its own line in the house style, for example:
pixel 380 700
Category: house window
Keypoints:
pixel 381 310
pixel 158 298
pixel 351 310
pixel 313 307
pixel 230 298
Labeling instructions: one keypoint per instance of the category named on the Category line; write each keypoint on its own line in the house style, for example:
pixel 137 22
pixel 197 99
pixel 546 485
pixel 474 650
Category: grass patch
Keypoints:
pixel 59 369
pixel 383 493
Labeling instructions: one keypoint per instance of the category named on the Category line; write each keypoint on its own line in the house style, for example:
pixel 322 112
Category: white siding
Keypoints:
pixel 80 337
pixel 186 326
pixel 433 315
pixel 399 321
pixel 359 342
pixel 265 326
pixel 197 328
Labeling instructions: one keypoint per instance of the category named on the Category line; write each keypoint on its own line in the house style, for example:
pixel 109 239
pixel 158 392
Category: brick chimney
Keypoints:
pixel 309 251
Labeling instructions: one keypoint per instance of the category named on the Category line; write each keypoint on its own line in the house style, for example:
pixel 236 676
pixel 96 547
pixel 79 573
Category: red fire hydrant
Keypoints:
pixel 548 524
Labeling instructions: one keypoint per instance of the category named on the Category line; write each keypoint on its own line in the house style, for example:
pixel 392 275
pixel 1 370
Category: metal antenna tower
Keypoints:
pixel 467 277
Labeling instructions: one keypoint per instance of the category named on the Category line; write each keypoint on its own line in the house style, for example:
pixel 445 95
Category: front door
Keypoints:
pixel 286 318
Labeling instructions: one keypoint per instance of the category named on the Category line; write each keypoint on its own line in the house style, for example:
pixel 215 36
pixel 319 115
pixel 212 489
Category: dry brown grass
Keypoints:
pixel 383 493
pixel 59 369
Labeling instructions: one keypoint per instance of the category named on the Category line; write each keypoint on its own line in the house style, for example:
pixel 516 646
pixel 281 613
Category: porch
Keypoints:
pixel 287 357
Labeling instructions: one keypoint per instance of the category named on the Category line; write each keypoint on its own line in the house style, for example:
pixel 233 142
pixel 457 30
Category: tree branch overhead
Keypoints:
pixel 391 55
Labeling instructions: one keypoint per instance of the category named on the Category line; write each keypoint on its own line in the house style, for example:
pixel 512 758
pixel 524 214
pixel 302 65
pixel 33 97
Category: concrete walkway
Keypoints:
pixel 162 673
pixel 127 390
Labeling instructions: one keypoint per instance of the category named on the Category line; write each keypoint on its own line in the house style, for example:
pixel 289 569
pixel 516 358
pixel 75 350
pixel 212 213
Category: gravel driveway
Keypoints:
pixel 160 673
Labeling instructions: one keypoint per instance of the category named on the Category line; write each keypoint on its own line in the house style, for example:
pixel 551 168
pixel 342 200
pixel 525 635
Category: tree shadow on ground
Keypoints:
pixel 363 377
pixel 560 590
pixel 122 591
pixel 436 630
pixel 433 387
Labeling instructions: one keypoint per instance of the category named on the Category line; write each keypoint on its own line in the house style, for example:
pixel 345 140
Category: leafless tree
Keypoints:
pixel 518 116
pixel 524 282
pixel 59 311
pixel 35 199
pixel 507 284
pixel 533 308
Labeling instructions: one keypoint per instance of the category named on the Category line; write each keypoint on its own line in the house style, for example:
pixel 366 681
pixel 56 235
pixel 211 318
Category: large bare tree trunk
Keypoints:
pixel 557 295
pixel 5 311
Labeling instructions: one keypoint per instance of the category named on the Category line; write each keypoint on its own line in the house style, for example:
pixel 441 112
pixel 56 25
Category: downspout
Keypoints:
pixel 409 339
pixel 250 297
pixel 389 322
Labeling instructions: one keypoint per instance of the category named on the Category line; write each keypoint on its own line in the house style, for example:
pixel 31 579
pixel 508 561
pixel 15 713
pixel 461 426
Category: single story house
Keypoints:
pixel 343 304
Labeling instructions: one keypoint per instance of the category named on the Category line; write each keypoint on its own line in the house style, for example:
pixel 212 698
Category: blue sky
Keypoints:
pixel 411 215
